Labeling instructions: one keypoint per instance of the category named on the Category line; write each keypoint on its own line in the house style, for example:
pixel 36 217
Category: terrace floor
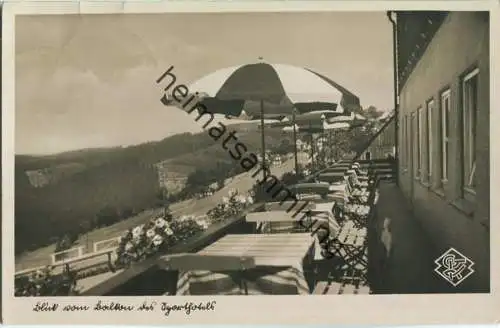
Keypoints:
pixel 410 266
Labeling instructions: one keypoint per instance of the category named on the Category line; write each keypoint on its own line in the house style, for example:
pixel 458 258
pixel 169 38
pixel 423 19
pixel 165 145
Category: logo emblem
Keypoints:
pixel 454 266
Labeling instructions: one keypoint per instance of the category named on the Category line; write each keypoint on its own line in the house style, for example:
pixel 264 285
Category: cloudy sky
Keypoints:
pixel 89 80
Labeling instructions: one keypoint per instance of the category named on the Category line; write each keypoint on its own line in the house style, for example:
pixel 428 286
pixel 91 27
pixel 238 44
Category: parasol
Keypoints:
pixel 261 90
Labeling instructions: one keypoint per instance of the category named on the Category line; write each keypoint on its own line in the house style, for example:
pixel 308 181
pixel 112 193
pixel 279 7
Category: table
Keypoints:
pixel 266 249
pixel 278 258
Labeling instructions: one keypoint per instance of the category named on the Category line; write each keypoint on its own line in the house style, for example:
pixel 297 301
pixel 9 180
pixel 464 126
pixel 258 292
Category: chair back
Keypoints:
pixel 349 185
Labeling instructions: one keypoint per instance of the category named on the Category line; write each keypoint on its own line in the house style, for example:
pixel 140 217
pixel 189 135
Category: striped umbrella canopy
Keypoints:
pixel 352 119
pixel 257 123
pixel 270 91
pixel 317 122
pixel 241 89
pixel 318 128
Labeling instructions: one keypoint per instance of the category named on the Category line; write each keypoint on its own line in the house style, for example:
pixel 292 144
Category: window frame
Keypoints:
pixel 430 136
pixel 406 137
pixel 420 143
pixel 406 140
pixel 415 153
pixel 468 136
pixel 409 143
pixel 403 135
pixel 445 98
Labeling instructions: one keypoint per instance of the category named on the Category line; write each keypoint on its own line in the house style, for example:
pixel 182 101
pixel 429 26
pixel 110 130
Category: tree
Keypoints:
pixel 63 243
pixel 106 216
pixel 372 113
pixel 220 184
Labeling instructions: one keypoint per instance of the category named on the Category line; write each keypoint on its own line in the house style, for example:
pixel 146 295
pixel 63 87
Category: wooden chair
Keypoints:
pixel 350 246
pixel 356 180
pixel 356 194
pixel 345 253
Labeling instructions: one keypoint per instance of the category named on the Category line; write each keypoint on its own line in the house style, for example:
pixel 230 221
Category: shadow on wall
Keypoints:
pixel 405 252
pixel 386 236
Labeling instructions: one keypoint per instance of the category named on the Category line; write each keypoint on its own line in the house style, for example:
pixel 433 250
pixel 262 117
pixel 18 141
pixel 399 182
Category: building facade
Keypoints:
pixel 443 147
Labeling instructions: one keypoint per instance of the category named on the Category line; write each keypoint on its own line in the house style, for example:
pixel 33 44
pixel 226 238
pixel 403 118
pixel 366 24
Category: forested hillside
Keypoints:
pixel 110 184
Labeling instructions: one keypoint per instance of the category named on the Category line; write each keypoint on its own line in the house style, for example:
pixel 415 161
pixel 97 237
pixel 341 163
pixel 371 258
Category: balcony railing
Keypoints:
pixel 79 264
pixel 138 275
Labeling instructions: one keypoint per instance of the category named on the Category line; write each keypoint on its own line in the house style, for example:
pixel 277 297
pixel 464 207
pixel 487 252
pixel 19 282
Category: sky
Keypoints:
pixel 85 81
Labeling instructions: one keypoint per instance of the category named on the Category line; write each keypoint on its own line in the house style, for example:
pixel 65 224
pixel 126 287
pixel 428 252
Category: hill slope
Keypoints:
pixel 83 185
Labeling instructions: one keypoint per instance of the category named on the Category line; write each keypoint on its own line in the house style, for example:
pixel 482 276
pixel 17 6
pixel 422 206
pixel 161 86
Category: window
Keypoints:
pixel 470 108
pixel 420 136
pixel 407 141
pixel 404 133
pixel 445 134
pixel 402 138
pixel 430 142
pixel 415 140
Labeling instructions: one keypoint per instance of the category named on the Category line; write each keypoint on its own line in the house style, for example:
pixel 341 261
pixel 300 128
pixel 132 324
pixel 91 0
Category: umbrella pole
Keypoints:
pixel 263 140
pixel 295 144
pixel 323 149
pixel 320 150
pixel 312 147
pixel 330 146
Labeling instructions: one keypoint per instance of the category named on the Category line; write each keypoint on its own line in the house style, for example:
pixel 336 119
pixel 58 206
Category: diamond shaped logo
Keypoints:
pixel 454 267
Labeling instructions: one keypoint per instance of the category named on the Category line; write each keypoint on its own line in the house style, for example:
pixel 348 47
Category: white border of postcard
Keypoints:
pixel 345 309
